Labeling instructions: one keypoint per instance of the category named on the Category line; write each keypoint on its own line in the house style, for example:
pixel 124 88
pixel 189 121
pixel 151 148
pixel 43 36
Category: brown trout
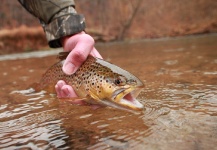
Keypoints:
pixel 98 82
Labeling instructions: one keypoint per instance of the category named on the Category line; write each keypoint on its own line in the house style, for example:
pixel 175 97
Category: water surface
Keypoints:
pixel 180 98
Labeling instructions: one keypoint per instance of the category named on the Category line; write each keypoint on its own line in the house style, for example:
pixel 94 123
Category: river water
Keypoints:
pixel 180 98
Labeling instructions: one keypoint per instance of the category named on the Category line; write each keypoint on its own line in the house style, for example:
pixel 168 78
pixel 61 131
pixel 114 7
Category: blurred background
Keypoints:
pixel 112 21
pixel 180 77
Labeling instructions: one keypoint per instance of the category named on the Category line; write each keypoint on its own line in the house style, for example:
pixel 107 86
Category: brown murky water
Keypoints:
pixel 180 101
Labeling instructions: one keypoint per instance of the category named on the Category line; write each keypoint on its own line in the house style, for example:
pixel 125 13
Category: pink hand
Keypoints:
pixel 66 91
pixel 80 46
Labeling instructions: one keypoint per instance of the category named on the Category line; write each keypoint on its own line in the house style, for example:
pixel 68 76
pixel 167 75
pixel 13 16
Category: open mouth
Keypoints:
pixel 130 100
pixel 127 98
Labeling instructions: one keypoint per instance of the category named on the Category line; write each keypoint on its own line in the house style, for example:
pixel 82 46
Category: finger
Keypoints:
pixel 68 91
pixel 58 88
pixel 84 45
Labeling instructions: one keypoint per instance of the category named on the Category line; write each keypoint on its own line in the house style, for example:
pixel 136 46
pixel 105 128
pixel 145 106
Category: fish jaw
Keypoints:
pixel 127 98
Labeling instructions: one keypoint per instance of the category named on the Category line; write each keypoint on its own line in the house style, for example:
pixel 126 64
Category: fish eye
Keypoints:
pixel 117 81
pixel 120 81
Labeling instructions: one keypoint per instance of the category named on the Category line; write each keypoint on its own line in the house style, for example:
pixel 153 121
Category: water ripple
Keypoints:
pixel 21 131
pixel 198 100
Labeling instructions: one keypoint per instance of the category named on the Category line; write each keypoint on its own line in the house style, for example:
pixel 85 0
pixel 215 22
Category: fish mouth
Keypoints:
pixel 127 98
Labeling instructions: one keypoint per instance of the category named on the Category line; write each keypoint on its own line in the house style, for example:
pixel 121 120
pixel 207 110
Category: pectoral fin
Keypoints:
pixel 93 96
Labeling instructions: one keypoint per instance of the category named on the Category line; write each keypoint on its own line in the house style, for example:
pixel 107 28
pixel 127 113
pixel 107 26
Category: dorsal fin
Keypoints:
pixel 62 55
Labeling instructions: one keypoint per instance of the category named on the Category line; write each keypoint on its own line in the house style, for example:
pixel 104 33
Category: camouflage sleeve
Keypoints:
pixel 57 17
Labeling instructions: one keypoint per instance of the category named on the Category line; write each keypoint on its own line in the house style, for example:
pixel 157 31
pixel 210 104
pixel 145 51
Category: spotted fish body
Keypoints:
pixel 99 82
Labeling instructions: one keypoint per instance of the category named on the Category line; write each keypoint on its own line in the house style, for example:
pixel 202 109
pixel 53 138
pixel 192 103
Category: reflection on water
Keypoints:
pixel 180 101
pixel 44 122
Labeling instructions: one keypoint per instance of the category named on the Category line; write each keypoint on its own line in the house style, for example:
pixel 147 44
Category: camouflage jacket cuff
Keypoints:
pixel 66 25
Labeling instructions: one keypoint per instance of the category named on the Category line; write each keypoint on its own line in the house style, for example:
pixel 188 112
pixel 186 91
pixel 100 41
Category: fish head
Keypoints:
pixel 123 91
pixel 119 87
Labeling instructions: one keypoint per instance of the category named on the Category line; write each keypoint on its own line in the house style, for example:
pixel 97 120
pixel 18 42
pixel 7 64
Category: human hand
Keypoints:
pixel 80 46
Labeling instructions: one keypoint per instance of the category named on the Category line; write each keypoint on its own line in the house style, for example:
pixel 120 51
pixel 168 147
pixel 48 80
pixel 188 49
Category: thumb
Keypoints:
pixel 80 46
pixel 73 61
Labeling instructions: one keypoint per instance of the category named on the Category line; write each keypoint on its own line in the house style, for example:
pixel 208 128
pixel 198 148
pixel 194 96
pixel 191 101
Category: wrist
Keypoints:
pixel 63 26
